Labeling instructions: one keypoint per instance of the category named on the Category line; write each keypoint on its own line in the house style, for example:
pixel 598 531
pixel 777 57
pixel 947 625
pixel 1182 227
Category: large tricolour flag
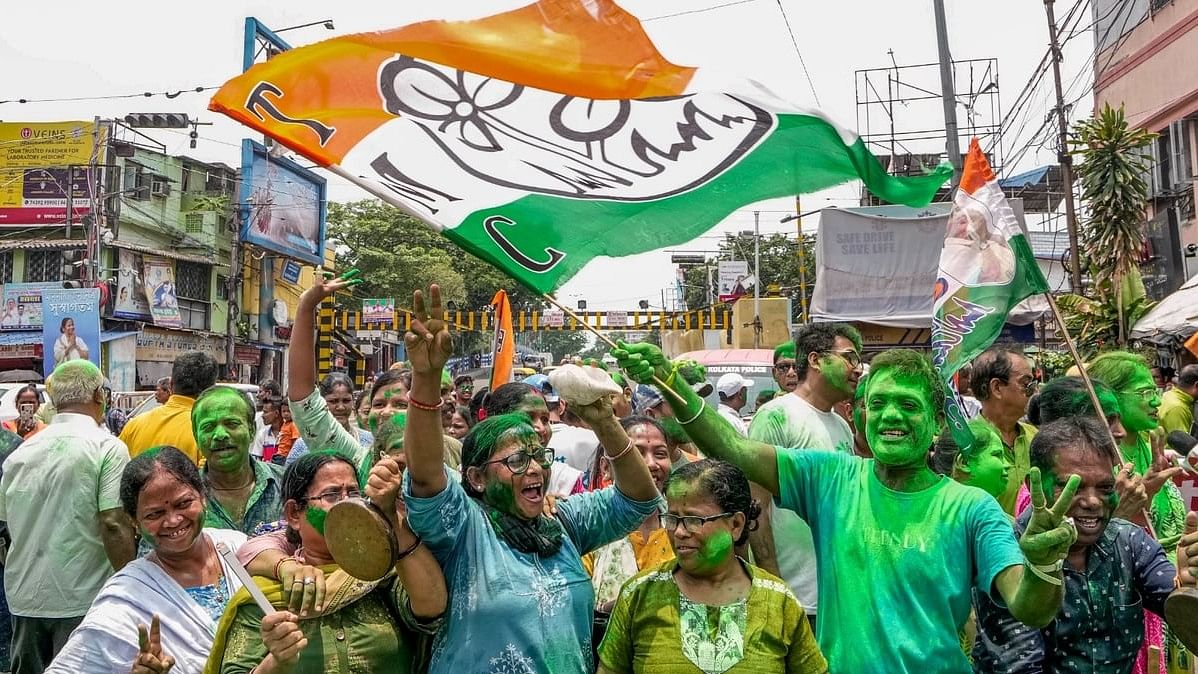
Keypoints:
pixel 986 268
pixel 541 138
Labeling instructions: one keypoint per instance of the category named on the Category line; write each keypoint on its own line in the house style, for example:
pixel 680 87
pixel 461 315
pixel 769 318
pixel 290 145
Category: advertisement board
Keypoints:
pixel 164 346
pixel 284 205
pixel 378 310
pixel 733 277
pixel 40 163
pixel 130 301
pixel 23 305
pixel 158 279
pixel 72 326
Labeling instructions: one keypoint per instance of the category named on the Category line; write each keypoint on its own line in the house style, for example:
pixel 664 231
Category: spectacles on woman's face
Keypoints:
pixel 518 462
pixel 332 497
pixel 1147 394
pixel 691 523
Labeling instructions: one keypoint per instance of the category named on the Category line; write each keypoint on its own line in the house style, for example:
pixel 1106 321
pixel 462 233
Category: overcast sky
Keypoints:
pixel 88 50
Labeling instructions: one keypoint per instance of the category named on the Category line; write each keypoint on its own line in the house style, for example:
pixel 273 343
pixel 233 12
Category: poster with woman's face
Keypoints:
pixel 71 326
pixel 130 299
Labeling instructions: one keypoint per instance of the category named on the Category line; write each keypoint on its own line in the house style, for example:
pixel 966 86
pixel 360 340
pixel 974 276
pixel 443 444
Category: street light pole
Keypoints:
pixel 757 279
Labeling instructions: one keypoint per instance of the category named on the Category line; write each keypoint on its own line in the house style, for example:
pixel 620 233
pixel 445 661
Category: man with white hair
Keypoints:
pixel 60 495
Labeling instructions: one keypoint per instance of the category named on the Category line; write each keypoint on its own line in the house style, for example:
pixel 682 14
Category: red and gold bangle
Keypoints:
pixel 412 402
pixel 279 565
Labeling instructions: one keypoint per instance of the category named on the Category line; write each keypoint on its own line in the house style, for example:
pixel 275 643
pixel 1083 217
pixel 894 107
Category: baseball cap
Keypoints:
pixel 731 383
pixel 541 383
pixel 645 398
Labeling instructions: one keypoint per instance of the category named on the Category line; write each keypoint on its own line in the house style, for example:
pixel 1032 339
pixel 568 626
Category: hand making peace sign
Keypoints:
pixel 1049 534
pixel 150 659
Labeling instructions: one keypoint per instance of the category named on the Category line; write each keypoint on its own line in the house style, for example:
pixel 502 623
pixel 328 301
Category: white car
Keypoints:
pixel 8 399
pixel 151 402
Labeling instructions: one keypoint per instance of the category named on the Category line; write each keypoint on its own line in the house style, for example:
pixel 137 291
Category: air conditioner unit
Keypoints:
pixel 160 188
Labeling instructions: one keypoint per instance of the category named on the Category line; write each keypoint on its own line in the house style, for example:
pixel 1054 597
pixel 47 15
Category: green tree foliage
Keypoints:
pixel 1115 159
pixel 398 254
pixel 779 266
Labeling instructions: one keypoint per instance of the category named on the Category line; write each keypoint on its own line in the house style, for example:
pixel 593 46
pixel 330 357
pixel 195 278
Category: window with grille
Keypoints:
pixel 191 289
pixel 6 267
pixel 194 223
pixel 43 265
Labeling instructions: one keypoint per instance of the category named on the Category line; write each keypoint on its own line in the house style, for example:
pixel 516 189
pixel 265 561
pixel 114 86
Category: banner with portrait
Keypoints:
pixel 72 326
pixel 130 301
pixel 158 279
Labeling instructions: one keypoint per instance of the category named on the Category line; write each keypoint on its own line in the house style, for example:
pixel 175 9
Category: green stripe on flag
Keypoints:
pixel 804 154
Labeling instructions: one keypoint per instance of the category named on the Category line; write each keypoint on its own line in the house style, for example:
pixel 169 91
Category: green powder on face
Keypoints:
pixel 715 550
pixel 316 518
pixel 500 496
pixel 149 538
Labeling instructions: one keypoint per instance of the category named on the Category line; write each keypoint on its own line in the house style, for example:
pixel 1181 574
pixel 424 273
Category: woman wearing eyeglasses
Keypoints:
pixel 520 599
pixel 708 610
pixel 359 626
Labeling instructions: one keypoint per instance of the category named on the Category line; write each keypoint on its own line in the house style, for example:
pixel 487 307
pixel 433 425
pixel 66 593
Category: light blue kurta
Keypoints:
pixel 512 612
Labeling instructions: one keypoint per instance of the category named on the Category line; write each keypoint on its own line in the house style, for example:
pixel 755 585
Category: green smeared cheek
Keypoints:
pixel 316 518
pixel 716 549
pixel 501 496
pixel 146 536
pixel 836 372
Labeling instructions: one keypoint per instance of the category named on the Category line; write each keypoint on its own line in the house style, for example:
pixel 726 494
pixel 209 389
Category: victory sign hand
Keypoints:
pixel 327 286
pixel 1049 534
pixel 150 659
pixel 428 342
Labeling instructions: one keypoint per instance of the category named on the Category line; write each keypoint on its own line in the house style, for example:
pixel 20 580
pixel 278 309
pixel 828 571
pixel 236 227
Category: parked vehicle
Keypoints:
pixel 754 364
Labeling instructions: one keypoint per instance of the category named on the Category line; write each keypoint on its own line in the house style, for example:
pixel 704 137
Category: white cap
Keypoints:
pixel 731 383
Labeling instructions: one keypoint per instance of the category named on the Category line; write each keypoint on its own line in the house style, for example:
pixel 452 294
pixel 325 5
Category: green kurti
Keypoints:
pixel 369 636
pixel 654 628
pixel 1168 511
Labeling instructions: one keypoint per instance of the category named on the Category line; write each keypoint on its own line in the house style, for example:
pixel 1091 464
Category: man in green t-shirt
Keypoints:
pixel 900 547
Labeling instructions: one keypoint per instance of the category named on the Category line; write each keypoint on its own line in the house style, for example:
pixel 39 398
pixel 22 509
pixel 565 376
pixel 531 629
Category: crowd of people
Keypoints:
pixel 600 520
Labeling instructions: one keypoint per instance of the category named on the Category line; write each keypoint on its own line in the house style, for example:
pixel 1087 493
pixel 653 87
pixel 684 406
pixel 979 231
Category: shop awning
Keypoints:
pixel 109 335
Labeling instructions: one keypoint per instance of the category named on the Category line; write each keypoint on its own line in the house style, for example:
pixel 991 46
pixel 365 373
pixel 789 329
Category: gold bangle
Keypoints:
pixel 624 451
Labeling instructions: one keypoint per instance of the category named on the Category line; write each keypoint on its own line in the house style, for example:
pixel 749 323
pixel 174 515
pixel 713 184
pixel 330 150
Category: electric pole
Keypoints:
pixel 948 93
pixel 233 297
pixel 757 279
pixel 1075 272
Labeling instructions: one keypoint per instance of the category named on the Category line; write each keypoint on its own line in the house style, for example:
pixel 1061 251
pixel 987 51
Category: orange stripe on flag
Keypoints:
pixel 505 341
pixel 977 171
pixel 556 45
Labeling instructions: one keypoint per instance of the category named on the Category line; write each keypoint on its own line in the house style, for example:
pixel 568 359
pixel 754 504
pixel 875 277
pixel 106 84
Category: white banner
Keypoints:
pixel 734 277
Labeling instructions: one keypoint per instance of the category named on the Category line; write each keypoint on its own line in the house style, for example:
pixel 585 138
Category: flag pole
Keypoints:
pixel 1085 377
pixel 606 340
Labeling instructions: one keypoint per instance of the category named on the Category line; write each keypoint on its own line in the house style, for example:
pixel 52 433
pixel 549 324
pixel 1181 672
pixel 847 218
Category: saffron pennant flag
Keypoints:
pixel 986 268
pixel 541 138
pixel 504 347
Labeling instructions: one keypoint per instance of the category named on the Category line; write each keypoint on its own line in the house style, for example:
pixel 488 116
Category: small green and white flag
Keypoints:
pixel 986 268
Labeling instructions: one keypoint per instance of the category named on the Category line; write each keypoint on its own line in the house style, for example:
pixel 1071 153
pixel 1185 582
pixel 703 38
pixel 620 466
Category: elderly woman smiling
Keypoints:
pixel 183 582
pixel 520 599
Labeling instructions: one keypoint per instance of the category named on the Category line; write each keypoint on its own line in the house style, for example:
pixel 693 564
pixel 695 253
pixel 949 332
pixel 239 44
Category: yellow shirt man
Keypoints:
pixel 1177 411
pixel 169 424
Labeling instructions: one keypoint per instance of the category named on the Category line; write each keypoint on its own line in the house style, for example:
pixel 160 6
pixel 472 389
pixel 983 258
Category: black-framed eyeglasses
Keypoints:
pixel 786 367
pixel 851 357
pixel 331 497
pixel 518 462
pixel 691 523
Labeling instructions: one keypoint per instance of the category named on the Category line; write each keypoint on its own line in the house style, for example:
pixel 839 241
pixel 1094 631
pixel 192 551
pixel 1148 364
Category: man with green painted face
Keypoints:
pixel 900 548
pixel 1115 570
pixel 785 374
pixel 243 493
pixel 828 365
pixel 1003 382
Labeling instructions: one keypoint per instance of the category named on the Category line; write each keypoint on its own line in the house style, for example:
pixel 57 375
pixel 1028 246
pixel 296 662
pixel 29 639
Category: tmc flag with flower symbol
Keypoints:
pixel 986 268
pixel 541 138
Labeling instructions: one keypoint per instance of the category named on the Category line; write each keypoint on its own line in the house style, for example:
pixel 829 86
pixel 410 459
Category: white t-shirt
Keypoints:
pixel 790 421
pixel 574 446
pixel 733 418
